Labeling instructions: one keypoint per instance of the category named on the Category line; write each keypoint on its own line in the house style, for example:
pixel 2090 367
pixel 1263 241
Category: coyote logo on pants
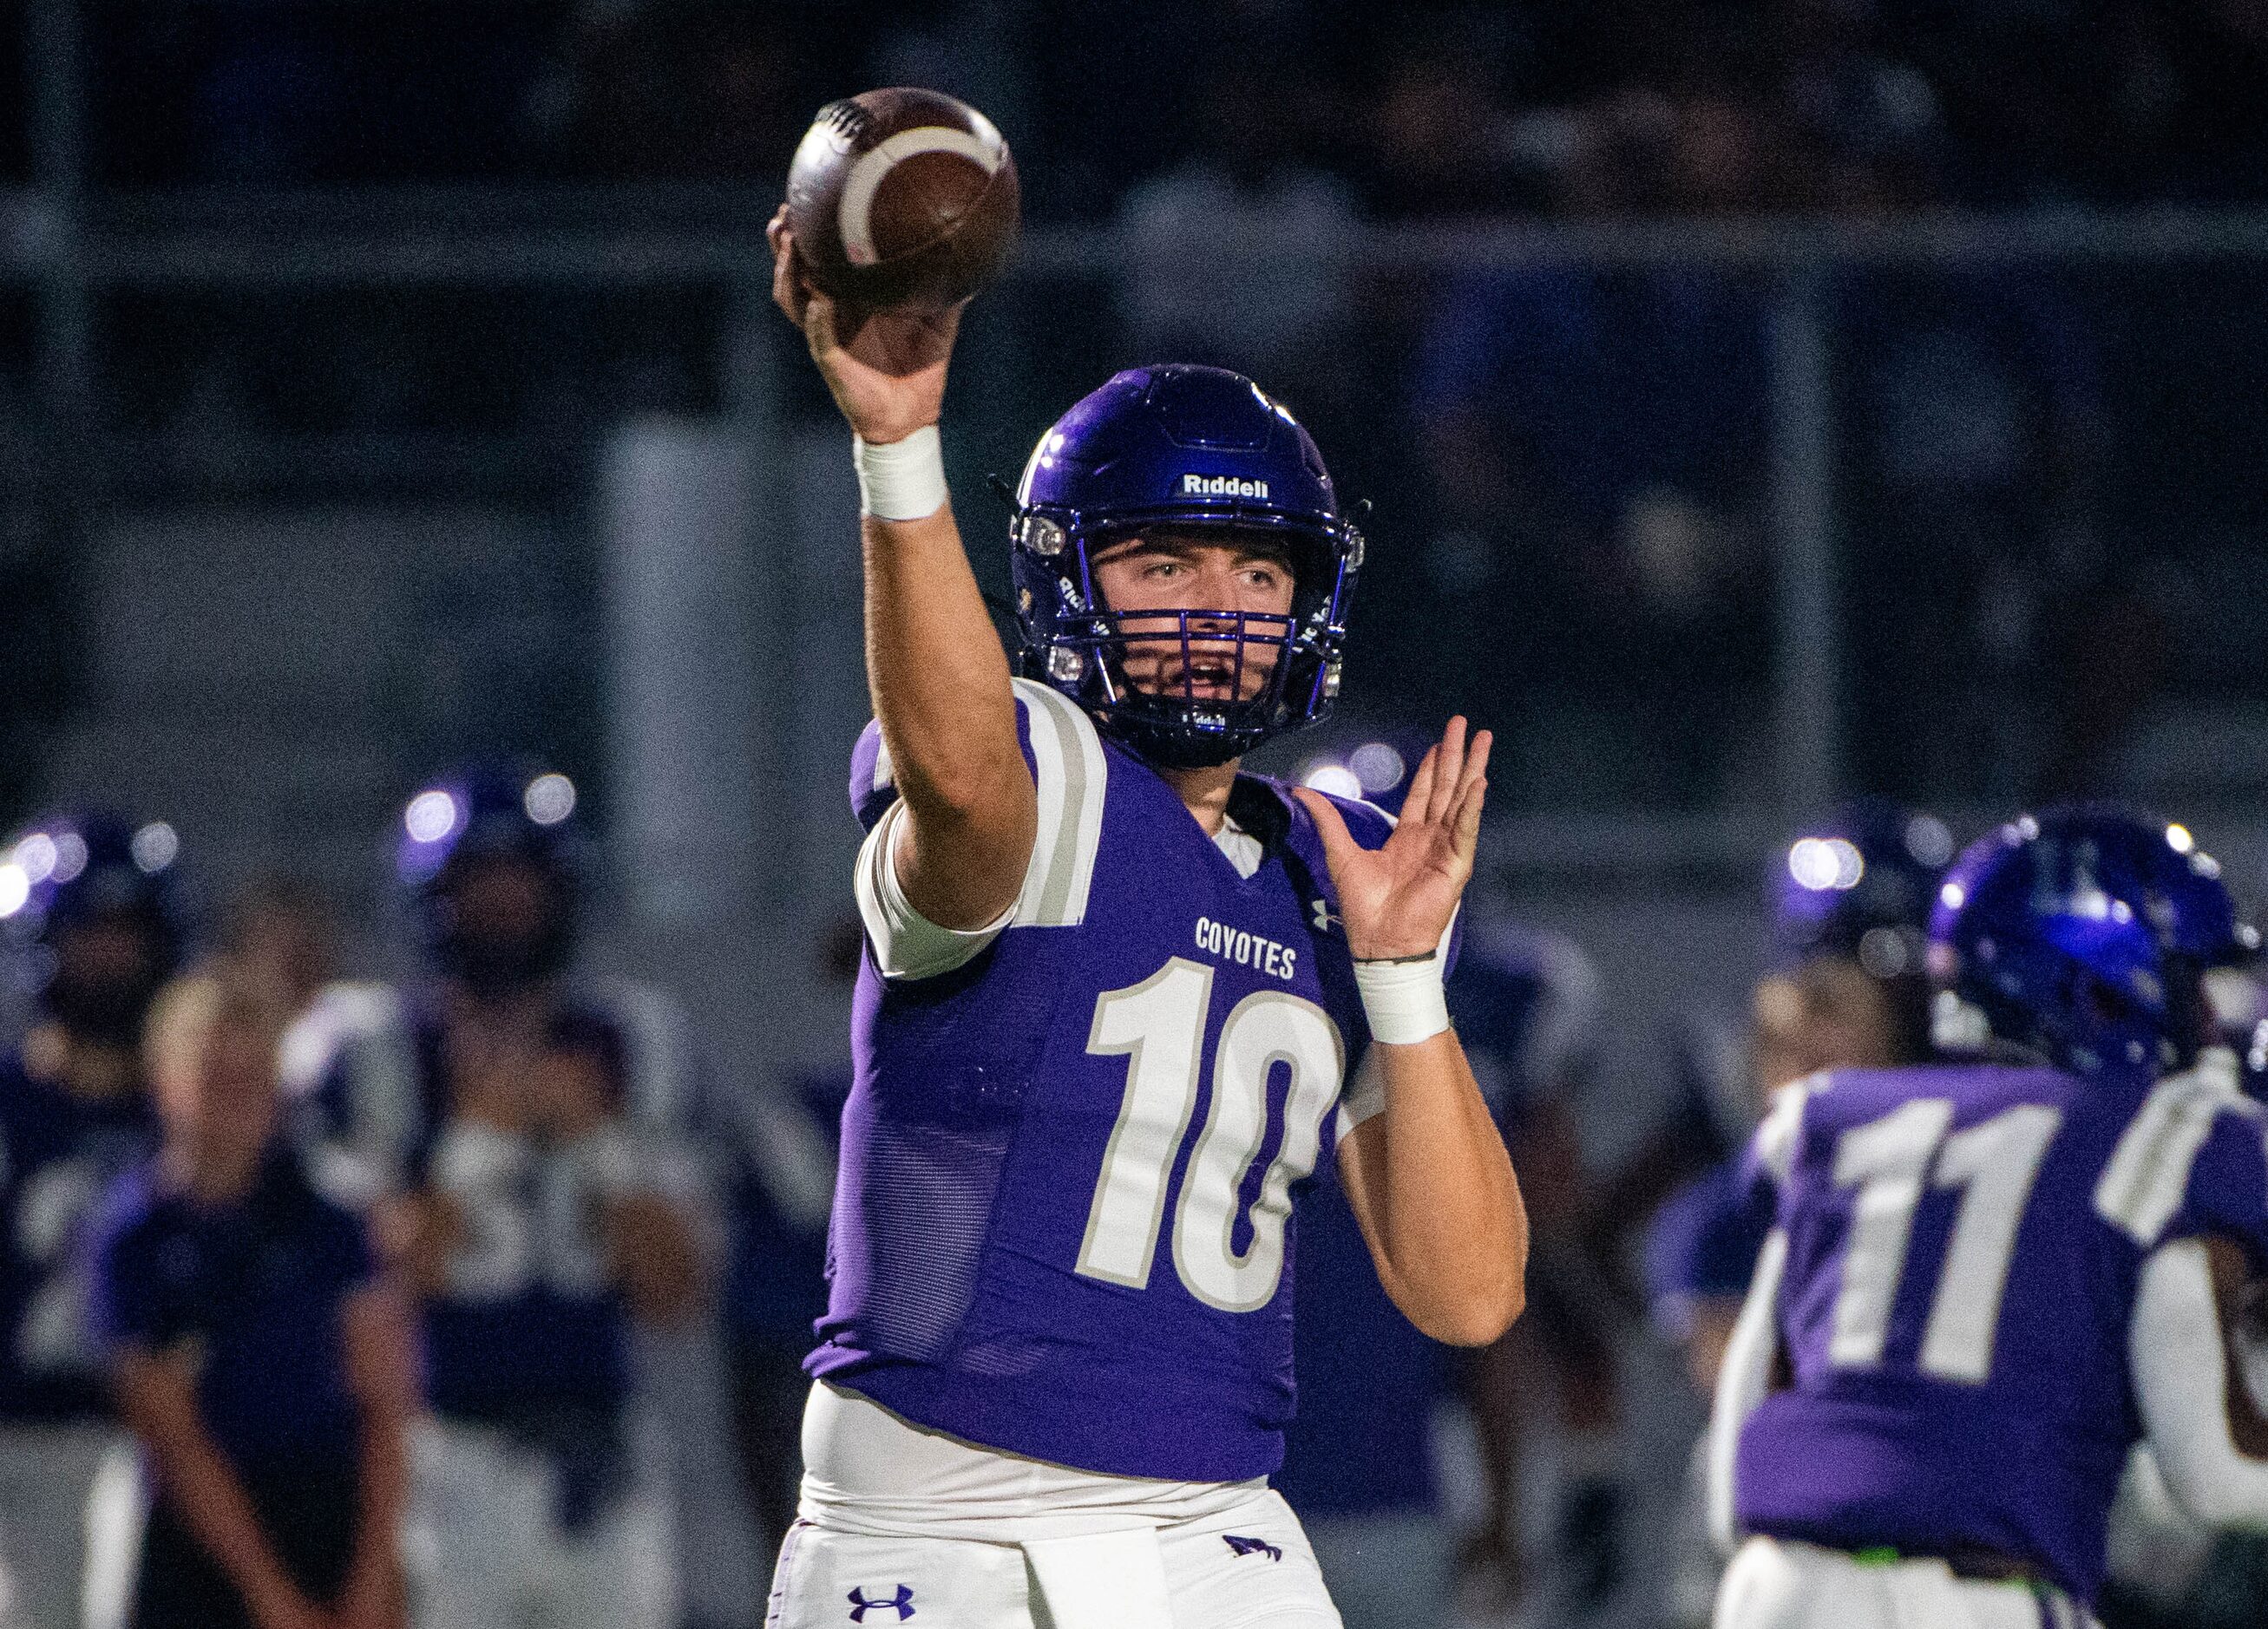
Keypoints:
pixel 902 1604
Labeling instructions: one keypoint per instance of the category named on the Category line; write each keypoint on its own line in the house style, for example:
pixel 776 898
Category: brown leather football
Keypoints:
pixel 902 197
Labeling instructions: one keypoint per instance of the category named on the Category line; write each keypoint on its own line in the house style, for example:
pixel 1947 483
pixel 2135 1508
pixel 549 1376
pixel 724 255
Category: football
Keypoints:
pixel 902 198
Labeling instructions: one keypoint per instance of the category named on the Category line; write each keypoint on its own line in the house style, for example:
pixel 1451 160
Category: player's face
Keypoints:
pixel 107 970
pixel 110 949
pixel 505 908
pixel 1168 572
pixel 1828 1014
pixel 217 1082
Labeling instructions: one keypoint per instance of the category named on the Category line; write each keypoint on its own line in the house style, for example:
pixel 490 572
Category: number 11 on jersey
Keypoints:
pixel 1889 1161
pixel 1159 1025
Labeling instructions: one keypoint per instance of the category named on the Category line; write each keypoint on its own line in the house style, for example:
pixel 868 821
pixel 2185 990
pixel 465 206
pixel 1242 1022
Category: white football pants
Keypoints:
pixel 1242 1568
pixel 46 1474
pixel 1775 1584
pixel 486 1551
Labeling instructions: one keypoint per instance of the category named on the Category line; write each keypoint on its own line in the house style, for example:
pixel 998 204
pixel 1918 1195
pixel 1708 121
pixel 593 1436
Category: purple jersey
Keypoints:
pixel 1063 1223
pixel 59 1155
pixel 259 1288
pixel 1701 1245
pixel 1963 1247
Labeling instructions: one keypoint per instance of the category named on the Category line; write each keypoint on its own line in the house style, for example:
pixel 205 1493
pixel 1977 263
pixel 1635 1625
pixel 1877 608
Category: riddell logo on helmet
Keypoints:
pixel 1222 486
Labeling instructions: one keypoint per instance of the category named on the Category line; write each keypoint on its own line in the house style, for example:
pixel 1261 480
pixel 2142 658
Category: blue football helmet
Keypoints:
pixel 483 813
pixel 2082 936
pixel 78 867
pixel 1190 448
pixel 1861 886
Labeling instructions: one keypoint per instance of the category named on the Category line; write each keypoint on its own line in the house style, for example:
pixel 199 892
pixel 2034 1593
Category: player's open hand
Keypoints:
pixel 1398 899
pixel 886 370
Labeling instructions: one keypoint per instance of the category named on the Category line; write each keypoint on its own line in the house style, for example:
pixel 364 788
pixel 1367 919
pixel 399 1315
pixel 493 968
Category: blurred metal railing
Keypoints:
pixel 71 245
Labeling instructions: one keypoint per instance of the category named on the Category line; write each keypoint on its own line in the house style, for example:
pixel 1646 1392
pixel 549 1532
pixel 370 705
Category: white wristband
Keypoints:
pixel 901 480
pixel 1404 1001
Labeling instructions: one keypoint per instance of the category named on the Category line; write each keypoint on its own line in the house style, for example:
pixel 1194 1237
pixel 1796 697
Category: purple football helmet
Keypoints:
pixel 1861 886
pixel 2082 935
pixel 79 867
pixel 487 812
pixel 1192 449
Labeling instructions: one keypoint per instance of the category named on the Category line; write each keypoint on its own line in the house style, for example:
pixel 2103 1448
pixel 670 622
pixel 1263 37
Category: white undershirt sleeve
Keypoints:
pixel 1070 777
pixel 906 944
pixel 1743 1382
pixel 2179 1361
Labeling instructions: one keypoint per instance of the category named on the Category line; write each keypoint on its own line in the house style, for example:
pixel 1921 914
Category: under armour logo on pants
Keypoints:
pixel 902 1604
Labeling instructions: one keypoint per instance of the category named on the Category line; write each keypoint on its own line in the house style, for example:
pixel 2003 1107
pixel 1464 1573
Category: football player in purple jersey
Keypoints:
pixel 1988 1278
pixel 1112 990
pixel 527 1134
pixel 1849 900
pixel 91 902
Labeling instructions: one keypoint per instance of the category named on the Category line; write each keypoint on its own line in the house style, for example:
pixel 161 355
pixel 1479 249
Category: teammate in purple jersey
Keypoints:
pixel 91 904
pixel 1988 1279
pixel 1112 990
pixel 1849 900
pixel 526 1133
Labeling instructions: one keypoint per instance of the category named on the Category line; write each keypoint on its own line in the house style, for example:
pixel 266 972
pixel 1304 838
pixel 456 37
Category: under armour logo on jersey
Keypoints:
pixel 902 1604
pixel 1252 1546
pixel 1324 920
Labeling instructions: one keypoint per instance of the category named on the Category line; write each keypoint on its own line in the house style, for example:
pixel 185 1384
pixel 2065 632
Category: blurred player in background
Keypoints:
pixel 1055 1367
pixel 282 932
pixel 1987 1277
pixel 256 1350
pixel 1528 1011
pixel 1865 872
pixel 93 905
pixel 530 1133
pixel 1848 989
pixel 776 1288
pixel 1360 1455
pixel 1849 905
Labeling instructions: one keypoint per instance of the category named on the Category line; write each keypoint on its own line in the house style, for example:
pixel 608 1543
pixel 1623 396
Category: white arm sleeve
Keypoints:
pixel 1071 777
pixel 1743 1383
pixel 2180 1365
pixel 906 944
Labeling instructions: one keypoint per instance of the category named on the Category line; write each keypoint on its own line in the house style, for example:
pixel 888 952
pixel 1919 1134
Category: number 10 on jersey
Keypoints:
pixel 1158 1026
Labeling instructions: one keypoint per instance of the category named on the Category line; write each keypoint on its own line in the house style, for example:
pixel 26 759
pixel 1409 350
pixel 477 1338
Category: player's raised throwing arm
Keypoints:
pixel 1428 1176
pixel 937 673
